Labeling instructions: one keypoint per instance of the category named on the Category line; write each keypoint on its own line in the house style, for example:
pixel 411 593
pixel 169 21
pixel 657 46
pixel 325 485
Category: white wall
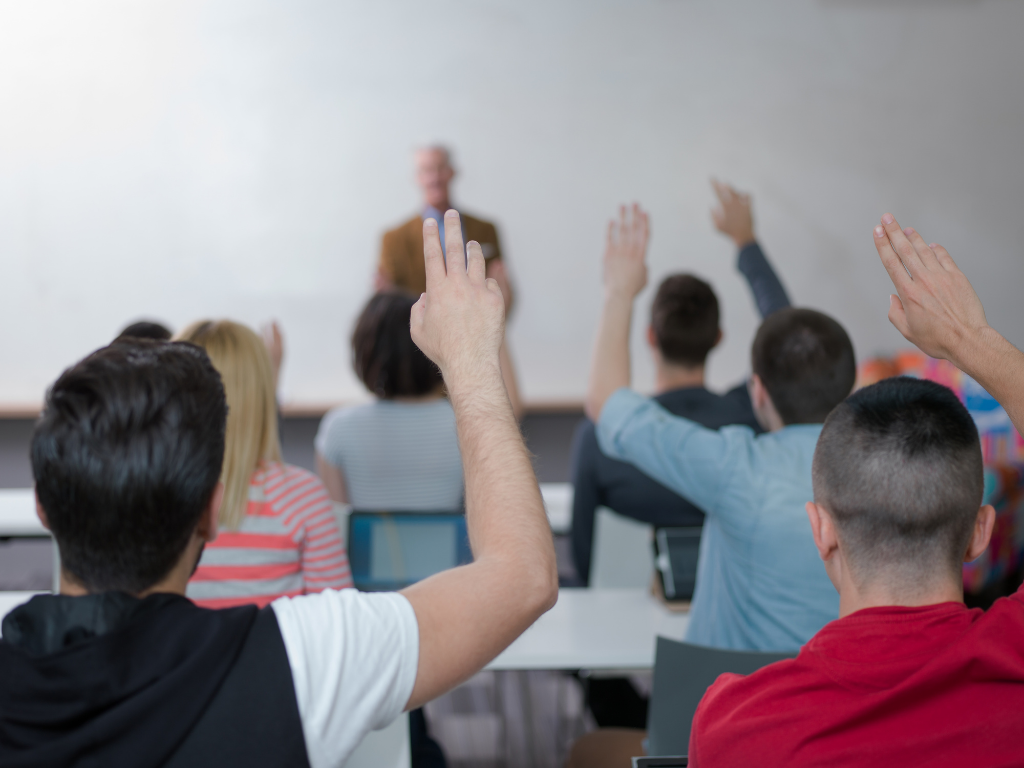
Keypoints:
pixel 230 158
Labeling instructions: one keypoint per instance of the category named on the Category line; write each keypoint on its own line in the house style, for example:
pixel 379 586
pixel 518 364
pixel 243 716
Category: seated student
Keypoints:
pixel 908 675
pixel 277 534
pixel 399 452
pixel 760 585
pixel 122 669
pixel 145 329
pixel 683 330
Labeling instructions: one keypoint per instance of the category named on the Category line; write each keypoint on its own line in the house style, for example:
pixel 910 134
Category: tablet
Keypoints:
pixel 675 557
pixel 388 551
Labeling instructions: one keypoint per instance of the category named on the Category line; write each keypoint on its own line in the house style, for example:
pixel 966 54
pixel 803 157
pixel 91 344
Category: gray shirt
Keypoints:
pixel 395 456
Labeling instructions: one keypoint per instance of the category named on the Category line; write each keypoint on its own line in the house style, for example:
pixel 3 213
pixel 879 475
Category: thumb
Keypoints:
pixel 898 316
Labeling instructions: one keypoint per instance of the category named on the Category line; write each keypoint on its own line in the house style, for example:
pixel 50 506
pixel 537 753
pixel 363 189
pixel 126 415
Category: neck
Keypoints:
pixel 669 376
pixel 443 206
pixel 174 582
pixel 882 593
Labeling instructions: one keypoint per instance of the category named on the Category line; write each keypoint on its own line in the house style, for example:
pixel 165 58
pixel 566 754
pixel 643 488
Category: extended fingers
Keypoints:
pixel 903 247
pixel 475 266
pixel 943 257
pixel 433 257
pixel 891 260
pixel 926 254
pixel 453 245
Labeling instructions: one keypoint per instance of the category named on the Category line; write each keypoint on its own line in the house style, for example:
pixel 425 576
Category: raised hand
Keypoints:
pixel 732 217
pixel 936 309
pixel 625 266
pixel 459 321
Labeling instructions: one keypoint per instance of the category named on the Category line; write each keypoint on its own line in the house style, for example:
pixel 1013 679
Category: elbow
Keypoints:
pixel 593 404
pixel 543 589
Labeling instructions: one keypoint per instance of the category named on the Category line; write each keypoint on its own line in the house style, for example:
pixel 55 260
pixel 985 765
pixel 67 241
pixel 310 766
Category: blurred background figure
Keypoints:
pixel 278 534
pixel 146 329
pixel 399 452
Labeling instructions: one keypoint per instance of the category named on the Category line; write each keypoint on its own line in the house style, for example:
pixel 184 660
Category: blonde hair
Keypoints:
pixel 243 362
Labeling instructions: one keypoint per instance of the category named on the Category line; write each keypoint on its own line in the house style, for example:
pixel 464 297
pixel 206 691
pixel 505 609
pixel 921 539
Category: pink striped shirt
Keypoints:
pixel 288 544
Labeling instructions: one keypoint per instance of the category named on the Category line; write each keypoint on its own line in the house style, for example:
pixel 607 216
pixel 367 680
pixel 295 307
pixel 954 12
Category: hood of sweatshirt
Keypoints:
pixel 109 679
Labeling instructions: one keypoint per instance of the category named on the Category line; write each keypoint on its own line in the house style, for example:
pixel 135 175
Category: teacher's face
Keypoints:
pixel 433 174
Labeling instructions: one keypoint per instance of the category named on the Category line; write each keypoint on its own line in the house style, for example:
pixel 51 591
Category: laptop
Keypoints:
pixel 675 558
pixel 388 551
pixel 660 762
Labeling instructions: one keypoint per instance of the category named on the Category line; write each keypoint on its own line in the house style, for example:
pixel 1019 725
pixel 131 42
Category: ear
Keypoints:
pixel 209 520
pixel 823 530
pixel 758 393
pixel 41 514
pixel 652 340
pixel 983 525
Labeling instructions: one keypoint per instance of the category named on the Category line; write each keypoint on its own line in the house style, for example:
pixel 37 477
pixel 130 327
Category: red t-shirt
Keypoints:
pixel 938 685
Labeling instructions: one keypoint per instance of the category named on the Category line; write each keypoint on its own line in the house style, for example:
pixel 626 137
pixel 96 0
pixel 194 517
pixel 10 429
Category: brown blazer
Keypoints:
pixel 401 252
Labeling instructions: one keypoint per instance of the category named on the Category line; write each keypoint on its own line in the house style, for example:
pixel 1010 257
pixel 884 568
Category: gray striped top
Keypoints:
pixel 395 456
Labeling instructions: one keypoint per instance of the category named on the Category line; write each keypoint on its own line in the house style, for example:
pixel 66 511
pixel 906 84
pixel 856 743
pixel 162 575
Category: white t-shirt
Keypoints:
pixel 353 657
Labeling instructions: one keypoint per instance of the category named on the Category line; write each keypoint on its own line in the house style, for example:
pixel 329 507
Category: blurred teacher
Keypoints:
pixel 401 253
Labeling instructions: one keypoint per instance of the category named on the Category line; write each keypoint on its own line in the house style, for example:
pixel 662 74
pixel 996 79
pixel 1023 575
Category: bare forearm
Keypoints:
pixel 610 367
pixel 508 375
pixel 998 366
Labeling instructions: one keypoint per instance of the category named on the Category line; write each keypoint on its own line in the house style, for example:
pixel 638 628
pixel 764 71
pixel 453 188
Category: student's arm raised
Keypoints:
pixel 468 615
pixel 625 275
pixel 938 310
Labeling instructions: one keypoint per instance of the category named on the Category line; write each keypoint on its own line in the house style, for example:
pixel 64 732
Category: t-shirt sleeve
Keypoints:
pixel 353 659
pixel 330 437
pixel 682 455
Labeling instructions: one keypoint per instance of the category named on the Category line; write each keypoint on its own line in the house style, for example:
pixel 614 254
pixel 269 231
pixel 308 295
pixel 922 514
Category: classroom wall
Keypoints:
pixel 217 157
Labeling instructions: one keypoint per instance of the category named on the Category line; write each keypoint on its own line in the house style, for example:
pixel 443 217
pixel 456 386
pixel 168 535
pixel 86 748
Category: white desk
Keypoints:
pixel 595 629
pixel 558 504
pixel 18 513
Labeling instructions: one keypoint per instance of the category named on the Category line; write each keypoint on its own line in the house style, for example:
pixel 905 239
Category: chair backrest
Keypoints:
pixel 682 674
pixel 391 550
pixel 623 556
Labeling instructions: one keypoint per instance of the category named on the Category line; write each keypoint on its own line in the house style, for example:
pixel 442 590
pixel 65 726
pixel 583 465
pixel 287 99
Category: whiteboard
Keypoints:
pixel 221 158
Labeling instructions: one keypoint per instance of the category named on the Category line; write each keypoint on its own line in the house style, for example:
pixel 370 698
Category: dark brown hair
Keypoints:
pixel 898 466
pixel 684 318
pixel 383 353
pixel 805 361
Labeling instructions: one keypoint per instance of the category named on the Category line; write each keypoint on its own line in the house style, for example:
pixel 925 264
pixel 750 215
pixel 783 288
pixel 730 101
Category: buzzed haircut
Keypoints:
pixel 384 356
pixel 126 457
pixel 899 468
pixel 805 360
pixel 146 329
pixel 684 318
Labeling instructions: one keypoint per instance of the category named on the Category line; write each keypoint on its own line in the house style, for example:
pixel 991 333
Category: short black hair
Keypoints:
pixel 684 318
pixel 899 467
pixel 805 360
pixel 126 456
pixel 146 329
pixel 383 353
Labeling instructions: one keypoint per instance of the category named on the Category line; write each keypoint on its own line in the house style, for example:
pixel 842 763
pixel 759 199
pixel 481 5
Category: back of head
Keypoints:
pixel 898 465
pixel 146 329
pixel 805 360
pixel 384 356
pixel 243 362
pixel 684 318
pixel 126 456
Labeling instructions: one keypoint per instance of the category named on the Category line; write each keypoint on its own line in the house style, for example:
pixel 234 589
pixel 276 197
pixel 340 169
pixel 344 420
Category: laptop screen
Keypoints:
pixel 391 550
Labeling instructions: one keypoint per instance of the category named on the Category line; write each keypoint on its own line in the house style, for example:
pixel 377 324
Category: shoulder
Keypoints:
pixel 480 227
pixel 347 417
pixel 292 489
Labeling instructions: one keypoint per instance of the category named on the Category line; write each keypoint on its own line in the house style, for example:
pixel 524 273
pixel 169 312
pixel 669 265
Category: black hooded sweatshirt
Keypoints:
pixel 112 680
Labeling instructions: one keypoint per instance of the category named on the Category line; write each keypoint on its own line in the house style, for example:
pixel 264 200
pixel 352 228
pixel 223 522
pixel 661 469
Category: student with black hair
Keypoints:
pixel 684 328
pixel 145 329
pixel 907 675
pixel 401 451
pixel 760 585
pixel 122 669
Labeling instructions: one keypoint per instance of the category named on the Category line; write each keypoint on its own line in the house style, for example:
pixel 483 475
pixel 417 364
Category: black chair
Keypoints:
pixel 682 674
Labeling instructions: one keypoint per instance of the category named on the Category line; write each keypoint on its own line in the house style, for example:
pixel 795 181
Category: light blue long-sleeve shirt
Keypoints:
pixel 761 585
